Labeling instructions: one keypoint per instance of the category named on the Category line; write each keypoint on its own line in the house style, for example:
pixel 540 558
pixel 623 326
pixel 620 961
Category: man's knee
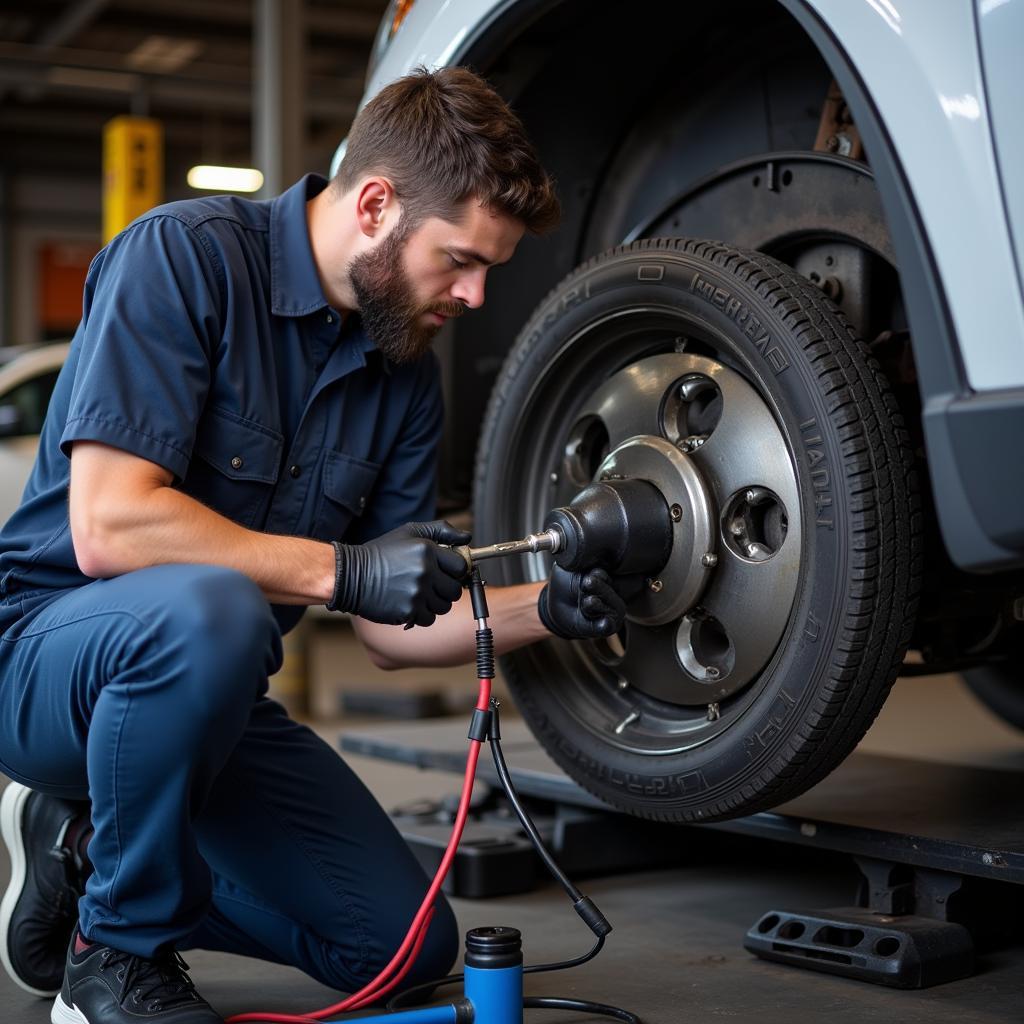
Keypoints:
pixel 211 601
pixel 213 632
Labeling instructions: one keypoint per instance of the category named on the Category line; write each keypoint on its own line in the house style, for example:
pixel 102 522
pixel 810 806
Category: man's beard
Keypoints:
pixel 388 307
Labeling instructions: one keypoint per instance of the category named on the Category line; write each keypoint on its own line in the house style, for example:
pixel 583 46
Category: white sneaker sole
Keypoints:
pixel 12 807
pixel 64 1014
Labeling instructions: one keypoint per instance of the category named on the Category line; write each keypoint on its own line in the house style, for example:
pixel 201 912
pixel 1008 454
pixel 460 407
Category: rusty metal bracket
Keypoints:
pixel 836 131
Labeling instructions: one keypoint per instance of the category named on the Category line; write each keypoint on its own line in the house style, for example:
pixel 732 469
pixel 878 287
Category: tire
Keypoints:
pixel 1001 689
pixel 736 684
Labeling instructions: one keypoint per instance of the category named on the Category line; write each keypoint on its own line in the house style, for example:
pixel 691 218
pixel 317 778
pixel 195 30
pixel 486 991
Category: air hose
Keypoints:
pixel 484 725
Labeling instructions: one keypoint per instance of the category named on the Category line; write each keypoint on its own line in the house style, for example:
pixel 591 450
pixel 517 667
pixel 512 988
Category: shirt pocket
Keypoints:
pixel 347 485
pixel 234 467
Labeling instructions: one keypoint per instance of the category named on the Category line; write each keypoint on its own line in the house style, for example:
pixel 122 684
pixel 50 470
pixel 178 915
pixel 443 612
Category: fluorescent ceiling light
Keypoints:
pixel 163 54
pixel 225 179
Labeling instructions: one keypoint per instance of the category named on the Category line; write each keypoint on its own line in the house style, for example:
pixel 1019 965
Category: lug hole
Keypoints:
pixel 704 648
pixel 755 523
pixel 586 449
pixel 691 411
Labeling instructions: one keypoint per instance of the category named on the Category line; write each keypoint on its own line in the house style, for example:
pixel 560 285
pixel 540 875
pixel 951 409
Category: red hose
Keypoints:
pixel 407 952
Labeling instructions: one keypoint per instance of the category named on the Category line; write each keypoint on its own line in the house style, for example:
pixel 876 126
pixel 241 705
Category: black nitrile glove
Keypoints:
pixel 402 577
pixel 581 605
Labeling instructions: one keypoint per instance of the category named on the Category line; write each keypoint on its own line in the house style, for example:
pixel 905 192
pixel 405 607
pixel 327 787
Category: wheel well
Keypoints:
pixel 630 113
pixel 702 86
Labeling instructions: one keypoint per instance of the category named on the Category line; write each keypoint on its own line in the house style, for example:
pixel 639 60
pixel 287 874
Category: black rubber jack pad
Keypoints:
pixel 901 952
pixel 492 860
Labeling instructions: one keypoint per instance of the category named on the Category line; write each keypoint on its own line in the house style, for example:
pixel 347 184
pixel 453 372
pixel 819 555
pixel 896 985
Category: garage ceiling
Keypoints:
pixel 68 66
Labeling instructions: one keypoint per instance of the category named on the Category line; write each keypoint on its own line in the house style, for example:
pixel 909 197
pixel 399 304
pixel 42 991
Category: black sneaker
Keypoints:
pixel 105 986
pixel 40 908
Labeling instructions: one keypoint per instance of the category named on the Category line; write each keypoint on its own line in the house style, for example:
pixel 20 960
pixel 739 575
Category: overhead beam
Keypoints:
pixel 66 26
pixel 338 21
pixel 66 56
pixel 334 99
pixel 63 29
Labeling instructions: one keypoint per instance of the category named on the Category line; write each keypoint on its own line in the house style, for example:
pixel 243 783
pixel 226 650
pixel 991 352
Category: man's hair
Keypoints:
pixel 442 137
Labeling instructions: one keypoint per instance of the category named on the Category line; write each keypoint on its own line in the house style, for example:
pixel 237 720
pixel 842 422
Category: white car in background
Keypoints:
pixel 787 287
pixel 26 383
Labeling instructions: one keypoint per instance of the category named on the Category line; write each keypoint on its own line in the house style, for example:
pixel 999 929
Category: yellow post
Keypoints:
pixel 133 170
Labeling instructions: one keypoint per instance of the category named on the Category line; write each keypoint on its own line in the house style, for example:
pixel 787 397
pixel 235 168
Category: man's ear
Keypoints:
pixel 376 206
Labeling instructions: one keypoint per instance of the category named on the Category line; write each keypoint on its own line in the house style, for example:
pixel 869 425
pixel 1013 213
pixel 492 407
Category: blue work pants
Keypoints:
pixel 220 823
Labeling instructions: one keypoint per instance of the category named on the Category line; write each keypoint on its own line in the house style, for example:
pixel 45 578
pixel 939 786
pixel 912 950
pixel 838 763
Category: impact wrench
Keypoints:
pixel 623 526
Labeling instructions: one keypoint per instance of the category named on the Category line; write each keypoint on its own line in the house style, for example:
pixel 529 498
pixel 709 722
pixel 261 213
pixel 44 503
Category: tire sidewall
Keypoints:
pixel 770 355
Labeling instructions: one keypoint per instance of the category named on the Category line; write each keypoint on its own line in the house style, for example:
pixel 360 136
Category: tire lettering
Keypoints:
pixel 821 479
pixel 812 629
pixel 573 297
pixel 741 315
pixel 639 785
pixel 650 273
pixel 777 715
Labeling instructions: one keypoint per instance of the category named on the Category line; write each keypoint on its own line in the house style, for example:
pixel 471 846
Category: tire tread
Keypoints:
pixel 880 602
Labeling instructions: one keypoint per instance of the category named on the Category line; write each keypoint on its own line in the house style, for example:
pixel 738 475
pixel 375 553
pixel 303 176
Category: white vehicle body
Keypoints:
pixel 934 89
pixel 18 452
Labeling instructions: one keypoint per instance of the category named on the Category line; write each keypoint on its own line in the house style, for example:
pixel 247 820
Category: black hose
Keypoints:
pixel 593 917
pixel 524 819
pixel 562 965
pixel 581 1005
pixel 410 995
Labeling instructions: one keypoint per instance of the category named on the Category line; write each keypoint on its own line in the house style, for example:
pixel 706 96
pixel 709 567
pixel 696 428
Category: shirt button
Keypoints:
pixel 362 504
pixel 330 319
pixel 295 470
pixel 236 462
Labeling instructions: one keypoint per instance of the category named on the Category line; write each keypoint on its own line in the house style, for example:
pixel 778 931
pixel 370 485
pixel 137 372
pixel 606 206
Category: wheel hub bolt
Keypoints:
pixel 655 585
pixel 691 443
pixel 676 512
pixel 710 672
pixel 709 559
pixel 713 712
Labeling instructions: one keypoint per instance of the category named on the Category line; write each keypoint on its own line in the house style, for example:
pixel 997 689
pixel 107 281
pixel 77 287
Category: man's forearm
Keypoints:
pixel 163 526
pixel 451 639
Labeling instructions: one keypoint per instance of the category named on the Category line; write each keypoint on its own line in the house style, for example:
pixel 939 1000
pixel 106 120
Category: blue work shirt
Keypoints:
pixel 207 346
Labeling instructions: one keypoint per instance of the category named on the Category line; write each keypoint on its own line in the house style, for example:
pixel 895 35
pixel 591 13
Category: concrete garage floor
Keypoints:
pixel 676 953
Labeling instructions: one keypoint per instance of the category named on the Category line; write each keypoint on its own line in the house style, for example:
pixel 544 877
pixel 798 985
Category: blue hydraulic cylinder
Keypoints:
pixel 493 980
pixel 496 995
pixel 492 985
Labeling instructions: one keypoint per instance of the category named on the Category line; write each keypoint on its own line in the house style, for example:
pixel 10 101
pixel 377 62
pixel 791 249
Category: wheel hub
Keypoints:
pixel 706 626
pixel 679 584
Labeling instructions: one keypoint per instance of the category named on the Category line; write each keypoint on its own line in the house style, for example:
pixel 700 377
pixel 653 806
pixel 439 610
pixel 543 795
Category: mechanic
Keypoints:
pixel 246 425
